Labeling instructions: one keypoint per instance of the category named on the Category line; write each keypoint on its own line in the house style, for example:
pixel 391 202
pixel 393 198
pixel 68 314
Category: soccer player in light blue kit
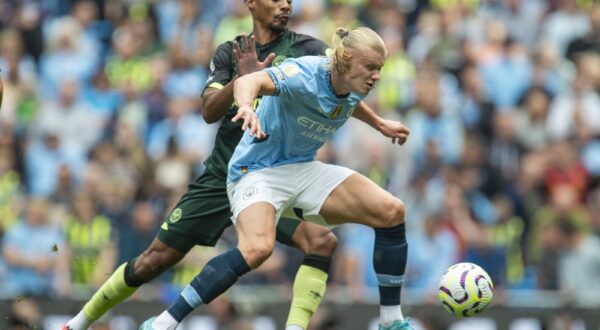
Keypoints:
pixel 273 172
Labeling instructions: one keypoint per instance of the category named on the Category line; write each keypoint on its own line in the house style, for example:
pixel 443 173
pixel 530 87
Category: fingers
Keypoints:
pixel 268 60
pixel 248 45
pixel 250 121
pixel 237 117
pixel 400 139
pixel 237 52
pixel 255 129
pixel 259 133
pixel 246 124
pixel 251 45
pixel 247 121
pixel 244 43
pixel 254 125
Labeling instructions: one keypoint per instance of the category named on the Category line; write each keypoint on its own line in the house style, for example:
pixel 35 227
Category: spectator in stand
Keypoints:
pixel 44 157
pixel 432 122
pixel 30 249
pixel 576 105
pixel 530 119
pixel 578 267
pixel 19 78
pixel 90 252
pixel 432 251
pixel 565 24
pixel 590 42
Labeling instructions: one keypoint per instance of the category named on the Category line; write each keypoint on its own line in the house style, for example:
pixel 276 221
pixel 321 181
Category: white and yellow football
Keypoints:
pixel 465 290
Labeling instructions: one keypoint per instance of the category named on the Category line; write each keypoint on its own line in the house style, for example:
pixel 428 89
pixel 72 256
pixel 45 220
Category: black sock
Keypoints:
pixel 219 274
pixel 389 261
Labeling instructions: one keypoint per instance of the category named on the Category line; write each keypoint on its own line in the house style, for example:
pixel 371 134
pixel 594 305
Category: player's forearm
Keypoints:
pixel 246 89
pixel 363 113
pixel 217 102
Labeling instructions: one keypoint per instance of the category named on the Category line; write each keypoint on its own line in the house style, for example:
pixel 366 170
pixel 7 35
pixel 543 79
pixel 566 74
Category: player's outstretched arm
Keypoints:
pixel 217 101
pixel 245 91
pixel 389 128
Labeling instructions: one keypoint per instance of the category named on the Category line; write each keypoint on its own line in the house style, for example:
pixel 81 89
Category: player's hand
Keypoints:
pixel 246 58
pixel 246 113
pixel 395 130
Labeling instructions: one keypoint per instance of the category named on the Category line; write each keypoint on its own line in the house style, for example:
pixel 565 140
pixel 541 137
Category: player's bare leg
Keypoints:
pixel 359 200
pixel 255 227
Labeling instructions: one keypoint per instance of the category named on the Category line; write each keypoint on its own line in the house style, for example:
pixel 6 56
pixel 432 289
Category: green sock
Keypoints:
pixel 309 288
pixel 110 294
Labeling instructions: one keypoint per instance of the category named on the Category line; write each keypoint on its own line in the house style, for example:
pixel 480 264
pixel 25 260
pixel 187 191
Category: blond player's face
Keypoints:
pixel 365 70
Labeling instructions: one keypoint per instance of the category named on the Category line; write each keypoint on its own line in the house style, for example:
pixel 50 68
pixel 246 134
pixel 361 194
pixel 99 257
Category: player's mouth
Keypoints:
pixel 284 17
pixel 370 85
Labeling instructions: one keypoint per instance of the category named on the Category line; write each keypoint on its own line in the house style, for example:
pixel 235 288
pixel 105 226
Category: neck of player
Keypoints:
pixel 339 83
pixel 264 35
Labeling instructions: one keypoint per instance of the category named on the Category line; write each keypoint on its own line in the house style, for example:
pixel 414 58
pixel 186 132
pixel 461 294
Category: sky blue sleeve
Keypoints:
pixel 291 78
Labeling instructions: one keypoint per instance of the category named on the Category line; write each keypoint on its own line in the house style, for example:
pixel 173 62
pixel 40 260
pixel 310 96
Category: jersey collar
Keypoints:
pixel 285 32
pixel 330 85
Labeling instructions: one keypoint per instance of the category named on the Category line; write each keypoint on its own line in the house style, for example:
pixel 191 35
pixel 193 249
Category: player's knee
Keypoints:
pixel 323 244
pixel 256 253
pixel 393 213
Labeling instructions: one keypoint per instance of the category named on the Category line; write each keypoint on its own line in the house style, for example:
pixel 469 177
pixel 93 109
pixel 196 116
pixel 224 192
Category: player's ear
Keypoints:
pixel 347 56
pixel 251 4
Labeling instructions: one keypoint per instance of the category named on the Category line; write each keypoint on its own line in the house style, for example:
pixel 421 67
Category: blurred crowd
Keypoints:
pixel 101 130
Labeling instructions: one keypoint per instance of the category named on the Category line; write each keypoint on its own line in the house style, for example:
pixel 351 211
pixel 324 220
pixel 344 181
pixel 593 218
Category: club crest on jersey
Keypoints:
pixel 176 215
pixel 278 60
pixel 336 112
pixel 290 70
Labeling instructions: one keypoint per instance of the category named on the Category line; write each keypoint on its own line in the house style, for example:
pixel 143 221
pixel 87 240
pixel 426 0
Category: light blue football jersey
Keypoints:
pixel 298 119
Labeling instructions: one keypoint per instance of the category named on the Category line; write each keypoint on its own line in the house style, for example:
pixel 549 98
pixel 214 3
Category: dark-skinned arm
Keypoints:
pixel 217 99
pixel 216 102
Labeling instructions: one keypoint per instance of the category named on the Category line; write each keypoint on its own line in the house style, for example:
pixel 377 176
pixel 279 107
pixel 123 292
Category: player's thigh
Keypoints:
pixel 317 182
pixel 359 200
pixel 255 227
pixel 199 218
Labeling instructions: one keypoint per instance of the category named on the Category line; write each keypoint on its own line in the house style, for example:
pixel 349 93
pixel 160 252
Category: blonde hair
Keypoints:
pixel 359 38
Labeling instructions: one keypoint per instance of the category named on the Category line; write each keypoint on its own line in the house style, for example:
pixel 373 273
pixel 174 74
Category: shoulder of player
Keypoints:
pixel 300 36
pixel 308 63
pixel 304 40
pixel 225 48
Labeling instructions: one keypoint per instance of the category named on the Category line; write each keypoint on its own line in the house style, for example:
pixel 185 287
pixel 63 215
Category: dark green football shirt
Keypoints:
pixel 222 71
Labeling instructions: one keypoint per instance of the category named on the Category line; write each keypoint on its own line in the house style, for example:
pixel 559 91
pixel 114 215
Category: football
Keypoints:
pixel 465 290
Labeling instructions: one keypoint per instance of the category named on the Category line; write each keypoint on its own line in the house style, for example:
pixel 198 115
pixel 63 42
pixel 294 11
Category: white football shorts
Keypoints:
pixel 294 190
